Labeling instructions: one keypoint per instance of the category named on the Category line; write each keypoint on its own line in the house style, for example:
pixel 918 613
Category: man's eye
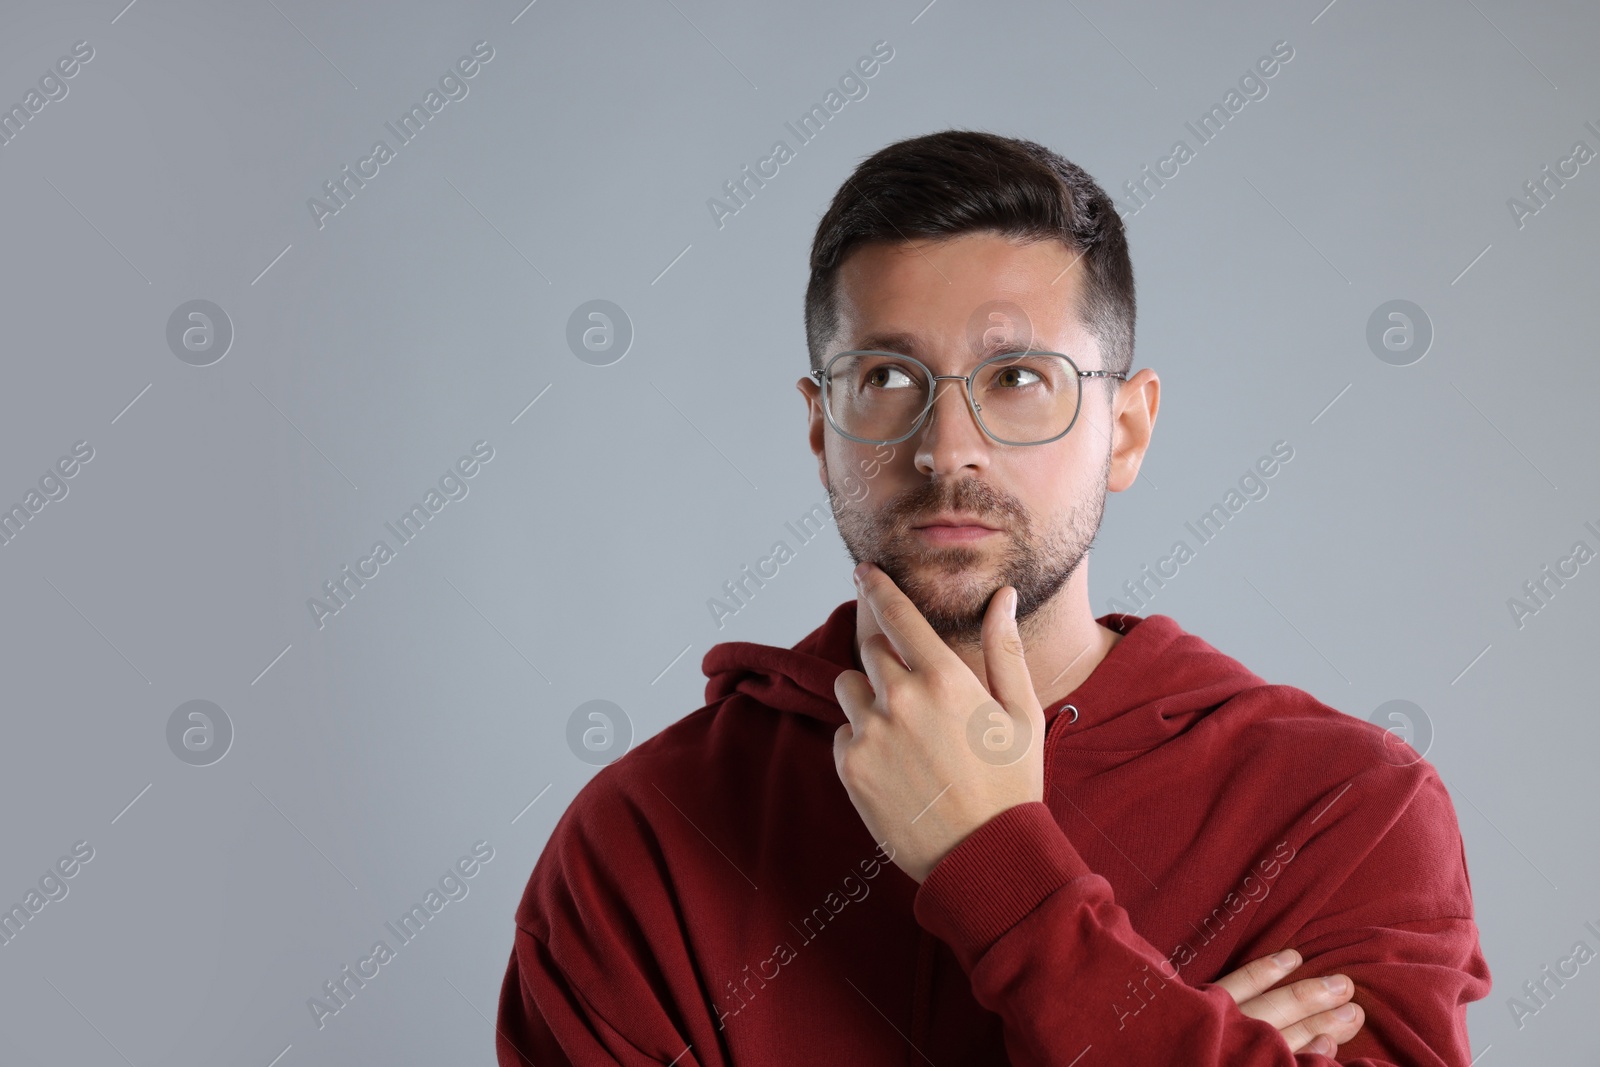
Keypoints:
pixel 889 378
pixel 1006 380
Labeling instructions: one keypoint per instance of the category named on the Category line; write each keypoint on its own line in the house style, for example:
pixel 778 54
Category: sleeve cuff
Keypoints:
pixel 995 877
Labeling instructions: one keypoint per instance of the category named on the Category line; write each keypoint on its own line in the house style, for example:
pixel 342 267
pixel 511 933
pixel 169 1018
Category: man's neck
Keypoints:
pixel 1062 642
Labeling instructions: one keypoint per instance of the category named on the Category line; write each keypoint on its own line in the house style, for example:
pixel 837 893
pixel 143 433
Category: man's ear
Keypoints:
pixel 817 427
pixel 1133 420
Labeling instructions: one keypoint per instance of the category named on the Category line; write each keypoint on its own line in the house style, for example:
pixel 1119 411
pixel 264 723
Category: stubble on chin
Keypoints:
pixel 951 585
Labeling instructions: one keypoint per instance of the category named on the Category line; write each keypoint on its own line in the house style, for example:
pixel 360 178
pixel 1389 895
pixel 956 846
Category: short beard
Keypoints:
pixel 943 581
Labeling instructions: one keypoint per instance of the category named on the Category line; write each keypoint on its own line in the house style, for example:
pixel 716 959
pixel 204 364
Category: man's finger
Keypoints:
pixel 841 741
pixel 1292 1008
pixel 854 694
pixel 1325 1023
pixel 916 642
pixel 880 662
pixel 1004 663
pixel 1258 976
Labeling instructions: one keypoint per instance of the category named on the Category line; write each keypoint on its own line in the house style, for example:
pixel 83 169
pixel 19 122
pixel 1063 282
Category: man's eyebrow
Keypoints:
pixel 904 343
pixel 908 344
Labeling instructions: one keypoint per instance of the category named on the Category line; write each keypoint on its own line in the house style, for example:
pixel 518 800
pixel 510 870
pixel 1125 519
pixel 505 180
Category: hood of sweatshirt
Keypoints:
pixel 1155 683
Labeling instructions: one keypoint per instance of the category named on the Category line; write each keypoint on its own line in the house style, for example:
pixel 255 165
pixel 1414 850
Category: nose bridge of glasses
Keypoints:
pixel 958 384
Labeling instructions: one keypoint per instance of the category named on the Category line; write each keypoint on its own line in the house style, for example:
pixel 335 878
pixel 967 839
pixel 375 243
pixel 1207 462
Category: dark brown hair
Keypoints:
pixel 963 181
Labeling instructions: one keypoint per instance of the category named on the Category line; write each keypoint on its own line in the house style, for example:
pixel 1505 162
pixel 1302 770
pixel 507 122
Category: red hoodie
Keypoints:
pixel 712 898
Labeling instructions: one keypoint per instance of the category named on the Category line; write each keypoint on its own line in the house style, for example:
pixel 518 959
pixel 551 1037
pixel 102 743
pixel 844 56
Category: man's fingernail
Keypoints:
pixel 1287 958
pixel 859 573
pixel 1013 605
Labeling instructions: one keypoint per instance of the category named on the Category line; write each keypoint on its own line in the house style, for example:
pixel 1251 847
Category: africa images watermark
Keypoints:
pixel 52 87
pixel 1541 590
pixel 341 190
pixel 739 190
pixel 452 885
pixel 1252 890
pixel 1252 486
pixel 811 524
pixel 1542 189
pixel 855 889
pixel 452 486
pixel 52 486
pixel 52 887
pixel 1212 123
pixel 1539 993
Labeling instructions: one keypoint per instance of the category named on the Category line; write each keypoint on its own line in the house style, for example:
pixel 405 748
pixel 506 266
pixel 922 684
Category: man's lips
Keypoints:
pixel 953 529
pixel 955 522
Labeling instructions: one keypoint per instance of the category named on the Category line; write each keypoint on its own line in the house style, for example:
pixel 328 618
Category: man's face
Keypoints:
pixel 950 299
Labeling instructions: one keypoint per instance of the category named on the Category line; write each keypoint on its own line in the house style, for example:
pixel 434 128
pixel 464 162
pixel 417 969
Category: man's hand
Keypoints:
pixel 1305 1012
pixel 929 754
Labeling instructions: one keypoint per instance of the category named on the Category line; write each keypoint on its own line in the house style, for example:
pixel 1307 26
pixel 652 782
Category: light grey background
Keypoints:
pixel 431 310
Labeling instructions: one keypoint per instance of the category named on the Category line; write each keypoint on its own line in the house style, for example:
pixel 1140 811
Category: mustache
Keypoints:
pixel 967 496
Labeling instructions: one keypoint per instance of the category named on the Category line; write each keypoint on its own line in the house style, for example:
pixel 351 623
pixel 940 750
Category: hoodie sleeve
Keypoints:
pixel 600 974
pixel 1049 950
pixel 545 1020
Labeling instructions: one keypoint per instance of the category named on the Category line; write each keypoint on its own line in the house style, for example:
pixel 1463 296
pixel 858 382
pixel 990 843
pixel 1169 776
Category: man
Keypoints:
pixel 964 821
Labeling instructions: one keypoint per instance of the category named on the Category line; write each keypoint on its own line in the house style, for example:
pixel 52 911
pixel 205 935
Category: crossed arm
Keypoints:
pixel 1050 948
pixel 545 1019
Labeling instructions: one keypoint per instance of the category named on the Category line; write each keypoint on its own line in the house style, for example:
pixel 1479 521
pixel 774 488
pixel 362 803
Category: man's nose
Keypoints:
pixel 951 438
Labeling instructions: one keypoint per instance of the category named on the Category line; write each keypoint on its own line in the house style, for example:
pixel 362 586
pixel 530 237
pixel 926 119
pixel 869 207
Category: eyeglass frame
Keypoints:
pixel 824 375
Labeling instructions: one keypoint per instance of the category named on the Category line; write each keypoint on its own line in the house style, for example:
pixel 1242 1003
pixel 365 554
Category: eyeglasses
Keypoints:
pixel 1018 398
